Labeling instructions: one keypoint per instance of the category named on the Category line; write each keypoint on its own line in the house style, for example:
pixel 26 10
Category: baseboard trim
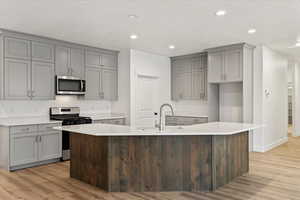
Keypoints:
pixel 270 146
pixel 14 168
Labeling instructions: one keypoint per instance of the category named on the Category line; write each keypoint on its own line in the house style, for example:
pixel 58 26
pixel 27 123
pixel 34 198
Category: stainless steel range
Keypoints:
pixel 68 116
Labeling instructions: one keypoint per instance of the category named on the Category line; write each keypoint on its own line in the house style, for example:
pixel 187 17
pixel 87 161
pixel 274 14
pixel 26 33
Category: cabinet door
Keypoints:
pixel 23 149
pixel 215 67
pixel 233 65
pixel 93 58
pixel 77 63
pixel 109 84
pixel 93 83
pixel 42 52
pixel 109 60
pixel 17 48
pixel 182 86
pixel 50 145
pixel 199 85
pixel 42 80
pixel 62 61
pixel 17 79
pixel 181 66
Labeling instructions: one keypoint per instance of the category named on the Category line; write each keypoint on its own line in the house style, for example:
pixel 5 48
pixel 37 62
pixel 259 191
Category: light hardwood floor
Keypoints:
pixel 273 175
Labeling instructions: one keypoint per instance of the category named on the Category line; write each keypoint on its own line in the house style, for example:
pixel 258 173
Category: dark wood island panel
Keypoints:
pixel 158 163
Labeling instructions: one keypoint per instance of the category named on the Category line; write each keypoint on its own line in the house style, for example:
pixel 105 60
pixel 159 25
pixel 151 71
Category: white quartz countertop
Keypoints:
pixel 101 116
pixel 212 128
pixel 19 121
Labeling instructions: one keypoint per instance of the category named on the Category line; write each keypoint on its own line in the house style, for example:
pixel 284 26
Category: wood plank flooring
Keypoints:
pixel 273 175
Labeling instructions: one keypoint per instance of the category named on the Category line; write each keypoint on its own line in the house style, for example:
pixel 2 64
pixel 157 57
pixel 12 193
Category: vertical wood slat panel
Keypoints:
pixel 230 158
pixel 159 163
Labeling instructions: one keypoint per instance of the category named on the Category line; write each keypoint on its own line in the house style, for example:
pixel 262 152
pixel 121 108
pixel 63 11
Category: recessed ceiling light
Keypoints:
pixel 297 44
pixel 221 12
pixel 132 16
pixel 252 31
pixel 171 47
pixel 133 36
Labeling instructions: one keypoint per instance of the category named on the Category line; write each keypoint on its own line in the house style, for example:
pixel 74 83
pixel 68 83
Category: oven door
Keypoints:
pixel 68 85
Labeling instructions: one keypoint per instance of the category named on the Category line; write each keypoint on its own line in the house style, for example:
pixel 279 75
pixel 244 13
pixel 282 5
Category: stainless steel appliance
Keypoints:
pixel 68 116
pixel 69 85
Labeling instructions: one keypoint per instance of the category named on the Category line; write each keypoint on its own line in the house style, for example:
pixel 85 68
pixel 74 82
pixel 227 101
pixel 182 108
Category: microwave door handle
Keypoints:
pixel 81 85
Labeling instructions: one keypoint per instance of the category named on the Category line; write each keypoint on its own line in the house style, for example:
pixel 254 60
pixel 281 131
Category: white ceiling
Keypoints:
pixel 190 25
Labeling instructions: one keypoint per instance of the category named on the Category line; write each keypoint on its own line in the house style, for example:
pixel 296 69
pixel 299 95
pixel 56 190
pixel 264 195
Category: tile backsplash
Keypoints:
pixel 41 108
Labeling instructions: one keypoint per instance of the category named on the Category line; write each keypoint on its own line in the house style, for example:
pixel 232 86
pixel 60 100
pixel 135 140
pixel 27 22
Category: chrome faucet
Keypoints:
pixel 162 120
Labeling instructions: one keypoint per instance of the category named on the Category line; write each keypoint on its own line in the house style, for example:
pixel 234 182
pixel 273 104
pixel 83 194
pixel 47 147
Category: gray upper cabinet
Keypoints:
pixel 42 80
pixel 233 68
pixel 101 84
pixel 93 58
pixel 17 79
pixel 109 60
pixel 62 61
pixel 216 63
pixel 17 48
pixel 101 59
pixel 109 84
pixel 29 65
pixel 69 61
pixel 226 64
pixel 77 62
pixel 189 77
pixel 42 52
pixel 93 83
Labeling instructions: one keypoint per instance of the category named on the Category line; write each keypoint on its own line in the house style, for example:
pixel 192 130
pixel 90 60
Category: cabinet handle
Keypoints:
pixel 40 138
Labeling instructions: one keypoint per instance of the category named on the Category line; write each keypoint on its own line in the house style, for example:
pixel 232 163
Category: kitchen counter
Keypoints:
pixel 212 128
pixel 19 121
pixel 118 158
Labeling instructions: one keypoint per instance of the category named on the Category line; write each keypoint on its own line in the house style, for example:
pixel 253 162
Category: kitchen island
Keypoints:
pixel 191 158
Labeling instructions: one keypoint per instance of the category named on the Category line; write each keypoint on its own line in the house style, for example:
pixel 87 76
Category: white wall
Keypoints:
pixel 41 108
pixel 122 105
pixel 147 64
pixel 270 76
pixel 296 98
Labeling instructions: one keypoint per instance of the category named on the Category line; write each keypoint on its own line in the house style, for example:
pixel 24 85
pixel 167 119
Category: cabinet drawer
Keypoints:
pixel 47 127
pixel 23 129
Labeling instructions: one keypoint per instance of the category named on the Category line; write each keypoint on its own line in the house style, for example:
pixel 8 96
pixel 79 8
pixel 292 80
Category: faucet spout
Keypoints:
pixel 162 120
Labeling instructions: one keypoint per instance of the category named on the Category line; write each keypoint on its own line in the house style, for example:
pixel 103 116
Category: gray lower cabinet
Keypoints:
pixel 118 121
pixel 185 120
pixel 69 61
pixel 17 48
pixel 42 80
pixel 101 84
pixel 23 149
pixel 17 79
pixel 189 77
pixel 31 145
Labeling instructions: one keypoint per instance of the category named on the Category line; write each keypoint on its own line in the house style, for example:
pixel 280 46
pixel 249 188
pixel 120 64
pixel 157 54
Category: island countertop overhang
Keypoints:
pixel 211 128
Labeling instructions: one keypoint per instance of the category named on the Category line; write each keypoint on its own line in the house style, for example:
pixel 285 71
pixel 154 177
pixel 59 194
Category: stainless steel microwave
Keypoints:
pixel 69 85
